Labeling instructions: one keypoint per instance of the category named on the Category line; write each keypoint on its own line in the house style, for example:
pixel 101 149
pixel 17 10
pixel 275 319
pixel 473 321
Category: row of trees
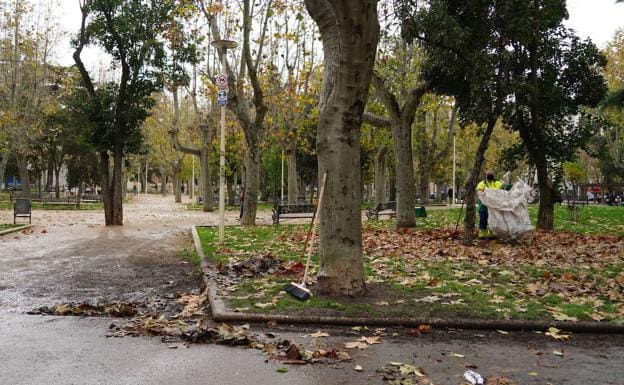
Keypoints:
pixel 380 96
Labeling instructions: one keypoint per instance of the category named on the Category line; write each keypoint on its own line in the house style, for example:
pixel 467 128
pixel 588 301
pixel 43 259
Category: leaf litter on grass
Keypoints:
pixel 539 276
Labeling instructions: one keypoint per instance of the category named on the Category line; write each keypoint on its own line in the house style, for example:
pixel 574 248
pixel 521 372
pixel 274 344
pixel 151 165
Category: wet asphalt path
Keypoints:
pixel 71 256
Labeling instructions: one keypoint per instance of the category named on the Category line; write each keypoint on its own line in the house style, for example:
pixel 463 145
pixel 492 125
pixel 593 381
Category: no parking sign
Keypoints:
pixel 222 82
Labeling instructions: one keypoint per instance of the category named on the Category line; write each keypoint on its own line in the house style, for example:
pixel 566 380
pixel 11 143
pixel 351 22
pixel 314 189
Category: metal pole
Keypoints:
pixel 454 168
pixel 146 164
pixel 222 166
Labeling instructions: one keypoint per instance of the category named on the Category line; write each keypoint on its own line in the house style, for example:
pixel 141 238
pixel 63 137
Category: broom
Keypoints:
pixel 300 291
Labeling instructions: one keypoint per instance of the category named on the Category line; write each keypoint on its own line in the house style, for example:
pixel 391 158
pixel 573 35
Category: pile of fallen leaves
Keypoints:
pixel 255 266
pixel 580 269
pixel 540 247
pixel 189 325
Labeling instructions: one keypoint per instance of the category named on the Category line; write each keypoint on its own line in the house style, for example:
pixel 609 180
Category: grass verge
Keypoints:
pixel 426 272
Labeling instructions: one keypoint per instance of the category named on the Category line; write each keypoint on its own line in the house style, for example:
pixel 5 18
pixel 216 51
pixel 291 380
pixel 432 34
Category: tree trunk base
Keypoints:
pixel 339 287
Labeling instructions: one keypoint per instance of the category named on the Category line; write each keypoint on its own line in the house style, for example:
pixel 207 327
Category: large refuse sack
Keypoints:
pixel 508 213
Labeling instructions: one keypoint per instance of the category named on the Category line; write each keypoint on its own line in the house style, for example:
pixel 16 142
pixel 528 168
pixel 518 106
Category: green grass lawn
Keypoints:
pixel 6 226
pixel 426 272
pixel 593 219
pixel 197 207
pixel 41 206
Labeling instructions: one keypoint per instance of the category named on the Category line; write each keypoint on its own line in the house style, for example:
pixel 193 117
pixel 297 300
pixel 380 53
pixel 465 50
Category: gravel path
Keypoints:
pixel 71 256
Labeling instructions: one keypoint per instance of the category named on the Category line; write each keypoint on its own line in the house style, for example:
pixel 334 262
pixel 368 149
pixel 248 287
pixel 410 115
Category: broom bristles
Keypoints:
pixel 298 291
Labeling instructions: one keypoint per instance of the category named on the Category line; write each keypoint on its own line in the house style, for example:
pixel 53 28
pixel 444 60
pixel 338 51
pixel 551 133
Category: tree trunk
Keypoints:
pixel 117 209
pixel 50 173
pixel 177 190
pixel 5 160
pixel 22 166
pixel 57 184
pixel 401 122
pixel 230 190
pixel 163 182
pixel 424 173
pixel 293 191
pixel 380 175
pixel 535 144
pixel 252 182
pixel 107 197
pixel 350 32
pixel 206 180
pixel 471 184
pixel 404 171
pixel 545 214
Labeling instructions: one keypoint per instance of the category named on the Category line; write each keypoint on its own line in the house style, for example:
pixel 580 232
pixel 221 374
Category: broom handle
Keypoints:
pixel 309 249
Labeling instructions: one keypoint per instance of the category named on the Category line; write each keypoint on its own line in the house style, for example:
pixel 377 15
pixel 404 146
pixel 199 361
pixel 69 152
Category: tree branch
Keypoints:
pixel 82 41
pixel 387 98
pixel 376 120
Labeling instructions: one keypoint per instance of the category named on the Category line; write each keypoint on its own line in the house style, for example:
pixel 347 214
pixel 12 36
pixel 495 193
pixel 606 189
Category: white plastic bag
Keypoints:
pixel 508 213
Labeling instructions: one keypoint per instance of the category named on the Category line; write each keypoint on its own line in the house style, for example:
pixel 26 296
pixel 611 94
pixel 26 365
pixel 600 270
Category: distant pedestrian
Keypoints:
pixel 135 190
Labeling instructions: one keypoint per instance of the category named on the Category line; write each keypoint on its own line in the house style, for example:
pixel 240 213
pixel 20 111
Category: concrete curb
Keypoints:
pixel 220 313
pixel 15 229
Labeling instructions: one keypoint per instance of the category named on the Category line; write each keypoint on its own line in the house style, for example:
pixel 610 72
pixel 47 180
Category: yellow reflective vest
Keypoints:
pixel 482 186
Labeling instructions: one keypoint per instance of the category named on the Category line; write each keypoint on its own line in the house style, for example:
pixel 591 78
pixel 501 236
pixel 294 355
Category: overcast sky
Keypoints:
pixel 596 19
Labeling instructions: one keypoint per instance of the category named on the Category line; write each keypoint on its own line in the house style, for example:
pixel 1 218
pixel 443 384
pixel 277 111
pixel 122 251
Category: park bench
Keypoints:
pixel 91 198
pixel 292 211
pixel 385 208
pixel 389 208
pixel 22 208
pixel 52 200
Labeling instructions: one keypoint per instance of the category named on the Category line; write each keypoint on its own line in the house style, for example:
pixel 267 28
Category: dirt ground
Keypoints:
pixel 71 256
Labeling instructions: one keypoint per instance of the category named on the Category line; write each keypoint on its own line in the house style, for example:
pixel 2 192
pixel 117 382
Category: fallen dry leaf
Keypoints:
pixel 355 345
pixel 556 334
pixel 371 340
pixel 318 334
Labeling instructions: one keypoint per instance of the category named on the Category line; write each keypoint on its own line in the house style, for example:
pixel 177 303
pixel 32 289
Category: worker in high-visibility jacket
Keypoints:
pixel 489 182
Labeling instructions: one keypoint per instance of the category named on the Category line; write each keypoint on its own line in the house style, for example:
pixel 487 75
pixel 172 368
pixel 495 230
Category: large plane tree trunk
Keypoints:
pixel 400 121
pixel 350 33
pixel 380 175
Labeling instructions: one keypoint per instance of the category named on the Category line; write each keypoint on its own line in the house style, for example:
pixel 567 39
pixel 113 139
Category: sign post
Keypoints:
pixel 222 85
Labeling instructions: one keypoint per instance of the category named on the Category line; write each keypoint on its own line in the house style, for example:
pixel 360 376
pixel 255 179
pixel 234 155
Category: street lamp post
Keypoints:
pixel 222 85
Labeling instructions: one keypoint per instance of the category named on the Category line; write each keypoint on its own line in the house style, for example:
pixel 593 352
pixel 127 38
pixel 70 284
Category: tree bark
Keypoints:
pixel 471 183
pixel 57 184
pixel 50 173
pixel 230 190
pixel 22 167
pixel 117 201
pixel 252 182
pixel 177 186
pixel 163 182
pixel 400 121
pixel 534 142
pixel 380 175
pixel 107 198
pixel 5 160
pixel 293 190
pixel 349 32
